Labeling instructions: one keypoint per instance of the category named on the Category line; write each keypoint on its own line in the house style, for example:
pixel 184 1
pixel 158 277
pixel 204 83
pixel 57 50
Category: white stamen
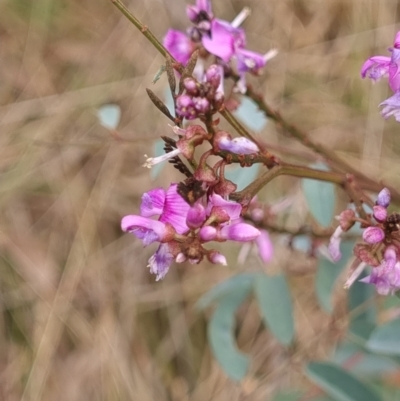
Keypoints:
pixel 270 54
pixel 177 130
pixel 353 276
pixel 241 17
pixel 152 161
pixel 250 63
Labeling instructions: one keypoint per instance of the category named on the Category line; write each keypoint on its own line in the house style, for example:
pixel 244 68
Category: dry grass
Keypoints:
pixel 82 319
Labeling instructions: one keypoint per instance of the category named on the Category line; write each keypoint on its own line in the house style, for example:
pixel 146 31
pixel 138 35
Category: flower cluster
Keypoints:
pixel 183 229
pixel 378 66
pixel 201 98
pixel 195 135
pixel 223 39
pixel 381 247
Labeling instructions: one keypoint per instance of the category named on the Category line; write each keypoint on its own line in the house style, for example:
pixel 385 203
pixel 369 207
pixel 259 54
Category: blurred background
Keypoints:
pixel 81 317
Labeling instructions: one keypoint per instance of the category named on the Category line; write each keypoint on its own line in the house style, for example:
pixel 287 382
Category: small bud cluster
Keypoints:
pixel 198 98
pixel 381 247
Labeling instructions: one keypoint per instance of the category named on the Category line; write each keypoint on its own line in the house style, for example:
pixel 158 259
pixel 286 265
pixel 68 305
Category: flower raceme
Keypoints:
pixel 223 39
pixel 182 230
pixel 377 67
pixel 381 247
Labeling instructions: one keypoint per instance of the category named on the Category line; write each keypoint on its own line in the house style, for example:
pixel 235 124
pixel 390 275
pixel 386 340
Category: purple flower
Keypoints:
pixel 201 11
pixel 179 45
pixel 160 262
pixel 220 38
pixel 152 203
pixel 223 40
pixel 172 210
pixel 378 66
pixel 240 145
pixel 391 107
pixel 385 277
pixel 146 229
pixel 226 41
pixel 175 210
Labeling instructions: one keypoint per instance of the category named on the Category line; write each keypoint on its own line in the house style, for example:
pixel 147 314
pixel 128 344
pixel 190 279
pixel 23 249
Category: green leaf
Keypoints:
pixel 240 282
pixel 327 274
pixel 109 115
pixel 242 176
pixel 385 339
pixel 363 362
pixel 249 113
pixel 361 304
pixel 338 383
pixel 288 396
pixel 221 335
pixel 320 198
pixel 274 299
pixel 360 330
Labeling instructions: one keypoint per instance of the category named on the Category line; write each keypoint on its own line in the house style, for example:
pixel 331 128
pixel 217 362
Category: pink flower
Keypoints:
pixel 377 67
pixel 179 45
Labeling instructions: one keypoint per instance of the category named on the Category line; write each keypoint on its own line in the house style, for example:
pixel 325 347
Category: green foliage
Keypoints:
pixel 385 339
pixel 221 334
pixel 275 303
pixel 338 383
pixel 240 282
pixel 363 363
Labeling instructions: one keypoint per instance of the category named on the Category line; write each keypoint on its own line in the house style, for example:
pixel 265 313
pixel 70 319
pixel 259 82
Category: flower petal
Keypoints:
pixel 160 262
pixel 152 202
pixel 146 229
pixel 265 247
pixel 179 45
pixel 175 210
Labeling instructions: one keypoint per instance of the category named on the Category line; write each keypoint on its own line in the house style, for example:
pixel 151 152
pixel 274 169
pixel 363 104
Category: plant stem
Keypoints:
pixel 328 154
pixel 248 193
pixel 144 30
pixel 269 160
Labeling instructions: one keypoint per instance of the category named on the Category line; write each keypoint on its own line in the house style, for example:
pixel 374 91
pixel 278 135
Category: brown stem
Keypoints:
pixel 337 163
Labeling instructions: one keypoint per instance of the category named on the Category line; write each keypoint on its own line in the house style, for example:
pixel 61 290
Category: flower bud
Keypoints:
pixel 213 75
pixel 380 213
pixel 190 85
pixel 373 235
pixel 192 13
pixel 217 258
pixel 201 104
pixel 208 233
pixel 383 198
pixel 196 216
pixel 239 232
